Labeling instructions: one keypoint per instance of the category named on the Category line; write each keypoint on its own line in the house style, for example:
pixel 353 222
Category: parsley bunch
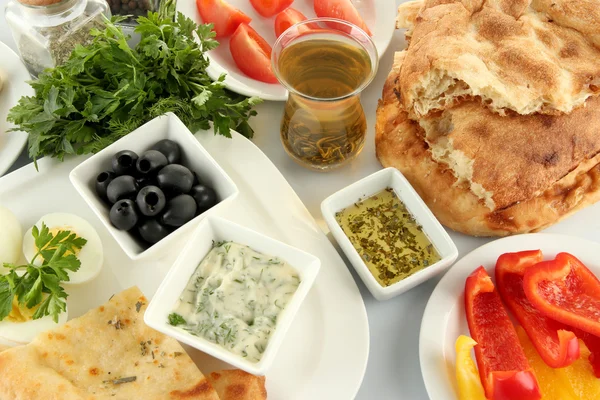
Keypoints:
pixel 40 284
pixel 107 89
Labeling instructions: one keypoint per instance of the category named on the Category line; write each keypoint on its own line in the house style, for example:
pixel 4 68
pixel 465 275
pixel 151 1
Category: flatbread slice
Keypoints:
pixel 487 175
pixel 108 353
pixel 526 56
pixel 235 384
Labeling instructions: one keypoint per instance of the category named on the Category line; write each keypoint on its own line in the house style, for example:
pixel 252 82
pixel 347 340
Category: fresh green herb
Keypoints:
pixel 176 319
pixel 39 285
pixel 107 89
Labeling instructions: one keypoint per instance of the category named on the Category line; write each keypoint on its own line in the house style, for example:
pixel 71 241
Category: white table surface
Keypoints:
pixel 393 371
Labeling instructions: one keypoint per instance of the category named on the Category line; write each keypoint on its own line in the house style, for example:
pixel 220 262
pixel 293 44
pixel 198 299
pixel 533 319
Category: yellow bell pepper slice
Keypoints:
pixel 467 377
pixel 580 376
pixel 552 385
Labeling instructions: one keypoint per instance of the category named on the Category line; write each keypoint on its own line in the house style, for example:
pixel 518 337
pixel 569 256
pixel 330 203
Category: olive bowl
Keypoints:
pixel 435 232
pixel 193 155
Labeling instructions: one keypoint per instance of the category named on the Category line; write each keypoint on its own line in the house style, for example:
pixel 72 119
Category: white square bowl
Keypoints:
pixel 193 156
pixel 369 186
pixel 214 229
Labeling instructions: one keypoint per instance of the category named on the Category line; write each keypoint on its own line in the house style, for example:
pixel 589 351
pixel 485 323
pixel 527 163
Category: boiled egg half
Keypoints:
pixel 91 254
pixel 10 238
pixel 20 327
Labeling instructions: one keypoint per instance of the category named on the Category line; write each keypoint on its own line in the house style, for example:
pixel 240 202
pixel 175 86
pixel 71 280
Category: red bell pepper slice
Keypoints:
pixel 555 343
pixel 593 344
pixel 565 290
pixel 503 367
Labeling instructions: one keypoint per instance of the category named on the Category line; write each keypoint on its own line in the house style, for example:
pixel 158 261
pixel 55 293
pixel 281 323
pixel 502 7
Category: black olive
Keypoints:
pixel 145 180
pixel 175 179
pixel 179 210
pixel 123 163
pixel 122 187
pixel 150 200
pixel 170 149
pixel 152 231
pixel 197 180
pixel 151 162
pixel 102 181
pixel 123 215
pixel 205 197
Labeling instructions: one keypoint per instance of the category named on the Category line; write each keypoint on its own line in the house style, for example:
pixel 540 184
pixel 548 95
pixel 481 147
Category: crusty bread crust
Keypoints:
pixel 515 157
pixel 400 143
pixel 527 56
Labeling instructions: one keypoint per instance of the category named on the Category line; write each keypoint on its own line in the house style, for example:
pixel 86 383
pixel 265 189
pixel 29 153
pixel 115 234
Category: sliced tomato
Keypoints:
pixel 252 54
pixel 268 8
pixel 341 9
pixel 225 17
pixel 290 17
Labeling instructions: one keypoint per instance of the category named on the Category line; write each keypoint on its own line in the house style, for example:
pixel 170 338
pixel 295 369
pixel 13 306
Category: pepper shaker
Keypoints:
pixel 47 31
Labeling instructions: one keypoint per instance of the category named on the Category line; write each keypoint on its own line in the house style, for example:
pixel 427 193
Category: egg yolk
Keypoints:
pixel 20 313
pixel 54 231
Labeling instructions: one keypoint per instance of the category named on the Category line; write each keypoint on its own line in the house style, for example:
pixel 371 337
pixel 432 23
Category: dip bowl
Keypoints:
pixel 210 231
pixel 367 187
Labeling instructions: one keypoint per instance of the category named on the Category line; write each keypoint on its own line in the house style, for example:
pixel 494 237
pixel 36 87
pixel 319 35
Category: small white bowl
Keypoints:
pixel 369 186
pixel 214 229
pixel 193 156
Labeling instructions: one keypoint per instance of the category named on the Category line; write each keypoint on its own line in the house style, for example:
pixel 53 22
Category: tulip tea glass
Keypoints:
pixel 324 64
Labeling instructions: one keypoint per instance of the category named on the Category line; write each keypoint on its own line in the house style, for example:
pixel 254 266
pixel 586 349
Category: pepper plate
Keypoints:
pixel 444 319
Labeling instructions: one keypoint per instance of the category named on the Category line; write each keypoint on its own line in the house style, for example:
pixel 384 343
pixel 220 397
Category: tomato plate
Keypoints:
pixel 378 15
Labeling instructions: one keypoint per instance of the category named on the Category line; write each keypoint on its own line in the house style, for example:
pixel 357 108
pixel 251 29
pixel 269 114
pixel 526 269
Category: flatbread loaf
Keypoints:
pixel 235 384
pixel 488 175
pixel 108 353
pixel 525 56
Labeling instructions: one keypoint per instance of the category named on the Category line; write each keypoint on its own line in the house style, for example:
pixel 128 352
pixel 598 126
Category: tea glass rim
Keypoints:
pixel 374 59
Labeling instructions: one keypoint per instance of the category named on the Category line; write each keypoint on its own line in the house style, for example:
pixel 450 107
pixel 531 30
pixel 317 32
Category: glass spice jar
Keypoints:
pixel 132 8
pixel 46 31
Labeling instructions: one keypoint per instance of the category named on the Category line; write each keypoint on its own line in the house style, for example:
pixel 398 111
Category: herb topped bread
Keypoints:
pixel 487 165
pixel 108 353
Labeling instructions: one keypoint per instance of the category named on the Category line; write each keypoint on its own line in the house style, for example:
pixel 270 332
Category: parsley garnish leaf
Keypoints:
pixel 39 285
pixel 176 319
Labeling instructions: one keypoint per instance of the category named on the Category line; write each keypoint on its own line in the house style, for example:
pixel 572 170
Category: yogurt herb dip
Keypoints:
pixel 234 298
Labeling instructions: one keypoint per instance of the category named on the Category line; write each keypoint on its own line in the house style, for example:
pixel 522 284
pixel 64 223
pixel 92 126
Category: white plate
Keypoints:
pixel 379 15
pixel 444 318
pixel 14 74
pixel 324 354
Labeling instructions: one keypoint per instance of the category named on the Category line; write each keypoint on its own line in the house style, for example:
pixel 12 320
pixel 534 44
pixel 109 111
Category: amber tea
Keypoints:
pixel 324 124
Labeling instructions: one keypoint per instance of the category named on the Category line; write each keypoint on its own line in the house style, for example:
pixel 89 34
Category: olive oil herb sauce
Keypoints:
pixel 387 237
pixel 235 297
